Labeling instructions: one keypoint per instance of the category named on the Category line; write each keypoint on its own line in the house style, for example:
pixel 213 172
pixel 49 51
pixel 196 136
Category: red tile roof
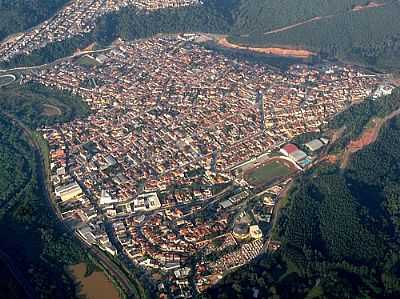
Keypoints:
pixel 290 148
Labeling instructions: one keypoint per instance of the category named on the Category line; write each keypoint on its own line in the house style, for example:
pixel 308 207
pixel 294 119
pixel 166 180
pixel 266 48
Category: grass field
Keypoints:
pixel 268 172
pixel 86 60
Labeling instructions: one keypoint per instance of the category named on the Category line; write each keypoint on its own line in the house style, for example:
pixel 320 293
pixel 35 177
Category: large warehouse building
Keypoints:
pixel 68 192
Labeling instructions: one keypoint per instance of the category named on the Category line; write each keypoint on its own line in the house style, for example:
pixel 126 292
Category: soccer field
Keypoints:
pixel 268 172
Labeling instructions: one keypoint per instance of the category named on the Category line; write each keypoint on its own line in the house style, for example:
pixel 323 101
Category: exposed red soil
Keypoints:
pixel 278 51
pixel 369 5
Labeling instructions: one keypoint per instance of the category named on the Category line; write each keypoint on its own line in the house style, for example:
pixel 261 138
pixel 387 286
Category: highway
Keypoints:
pixel 36 67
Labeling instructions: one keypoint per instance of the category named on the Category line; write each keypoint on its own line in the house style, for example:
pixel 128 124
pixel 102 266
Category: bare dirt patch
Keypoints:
pixel 368 136
pixel 395 80
pixel 90 47
pixel 331 159
pixel 278 51
pixel 367 6
pixel 50 110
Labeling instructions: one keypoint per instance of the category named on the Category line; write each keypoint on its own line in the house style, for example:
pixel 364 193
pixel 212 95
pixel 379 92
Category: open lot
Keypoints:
pixel 50 110
pixel 87 60
pixel 93 286
pixel 278 51
pixel 269 171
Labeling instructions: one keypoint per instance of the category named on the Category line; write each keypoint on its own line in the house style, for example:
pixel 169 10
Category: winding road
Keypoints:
pixel 11 76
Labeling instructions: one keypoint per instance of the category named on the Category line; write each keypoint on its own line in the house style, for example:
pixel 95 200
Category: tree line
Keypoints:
pixel 31 235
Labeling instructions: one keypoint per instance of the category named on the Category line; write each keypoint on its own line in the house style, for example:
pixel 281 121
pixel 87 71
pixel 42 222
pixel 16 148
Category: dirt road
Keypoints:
pixel 318 18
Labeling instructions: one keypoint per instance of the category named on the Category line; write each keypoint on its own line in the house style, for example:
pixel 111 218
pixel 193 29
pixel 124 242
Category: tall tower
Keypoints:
pixel 260 101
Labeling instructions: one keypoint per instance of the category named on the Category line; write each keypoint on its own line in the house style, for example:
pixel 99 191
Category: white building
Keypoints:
pixel 146 202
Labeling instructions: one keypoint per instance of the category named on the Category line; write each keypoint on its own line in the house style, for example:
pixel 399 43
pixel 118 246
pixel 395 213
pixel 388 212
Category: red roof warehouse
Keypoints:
pixel 289 149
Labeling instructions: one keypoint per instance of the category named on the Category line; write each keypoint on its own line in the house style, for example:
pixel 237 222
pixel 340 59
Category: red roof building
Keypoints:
pixel 289 149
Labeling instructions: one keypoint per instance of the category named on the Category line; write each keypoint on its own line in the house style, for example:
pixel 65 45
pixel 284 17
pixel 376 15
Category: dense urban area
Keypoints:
pixel 164 157
pixel 173 159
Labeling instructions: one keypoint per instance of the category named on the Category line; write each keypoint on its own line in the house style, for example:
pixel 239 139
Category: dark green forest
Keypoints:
pixel 31 235
pixel 370 37
pixel 259 16
pixel 27 102
pixel 9 286
pixel 19 15
pixel 339 231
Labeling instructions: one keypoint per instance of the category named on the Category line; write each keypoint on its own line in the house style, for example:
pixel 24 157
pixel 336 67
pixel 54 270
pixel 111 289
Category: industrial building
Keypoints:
pixel 146 202
pixel 293 152
pixel 68 192
pixel 314 145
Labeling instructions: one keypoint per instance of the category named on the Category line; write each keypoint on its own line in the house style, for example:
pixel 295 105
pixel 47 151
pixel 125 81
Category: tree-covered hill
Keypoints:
pixel 339 232
pixel 259 16
pixel 32 238
pixel 371 36
pixel 19 15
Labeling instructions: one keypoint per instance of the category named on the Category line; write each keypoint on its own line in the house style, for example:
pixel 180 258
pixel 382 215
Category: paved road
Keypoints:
pixel 37 67
pixel 11 76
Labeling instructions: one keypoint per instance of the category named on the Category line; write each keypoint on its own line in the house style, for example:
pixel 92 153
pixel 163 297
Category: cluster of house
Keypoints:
pixel 166 106
pixel 165 241
pixel 382 90
pixel 169 120
pixel 76 18
pixel 246 253
pixel 72 202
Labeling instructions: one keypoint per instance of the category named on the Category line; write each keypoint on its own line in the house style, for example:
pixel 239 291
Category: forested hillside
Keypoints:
pixel 31 236
pixel 370 36
pixel 259 16
pixel 19 15
pixel 339 232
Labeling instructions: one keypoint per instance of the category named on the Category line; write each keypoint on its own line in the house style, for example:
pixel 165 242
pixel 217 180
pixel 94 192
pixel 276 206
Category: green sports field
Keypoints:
pixel 267 172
